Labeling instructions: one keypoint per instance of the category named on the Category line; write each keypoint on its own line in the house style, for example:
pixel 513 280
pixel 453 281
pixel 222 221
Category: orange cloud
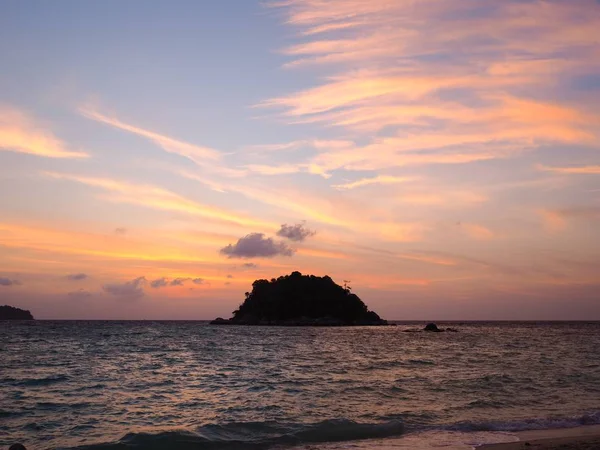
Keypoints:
pixel 553 221
pixel 22 134
pixel 379 179
pixel 317 253
pixel 576 170
pixel 71 242
pixel 557 219
pixel 162 199
pixel 476 231
pixel 465 105
pixel 439 196
pixel 400 232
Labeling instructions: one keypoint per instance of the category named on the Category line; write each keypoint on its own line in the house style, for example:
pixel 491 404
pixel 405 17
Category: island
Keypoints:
pixel 301 300
pixel 12 313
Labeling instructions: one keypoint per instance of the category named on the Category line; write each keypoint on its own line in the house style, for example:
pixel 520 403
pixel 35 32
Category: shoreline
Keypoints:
pixel 586 437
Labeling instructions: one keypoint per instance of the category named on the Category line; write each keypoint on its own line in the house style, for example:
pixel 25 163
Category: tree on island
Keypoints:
pixel 298 299
pixel 12 313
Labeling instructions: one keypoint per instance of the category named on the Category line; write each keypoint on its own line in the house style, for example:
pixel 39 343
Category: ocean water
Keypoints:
pixel 189 385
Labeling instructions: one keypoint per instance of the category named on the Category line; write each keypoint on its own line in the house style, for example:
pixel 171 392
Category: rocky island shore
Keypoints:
pixel 11 313
pixel 301 300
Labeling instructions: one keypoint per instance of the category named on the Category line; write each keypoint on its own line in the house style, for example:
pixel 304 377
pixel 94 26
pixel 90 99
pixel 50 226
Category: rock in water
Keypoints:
pixel 220 321
pixel 301 300
pixel 432 327
pixel 17 447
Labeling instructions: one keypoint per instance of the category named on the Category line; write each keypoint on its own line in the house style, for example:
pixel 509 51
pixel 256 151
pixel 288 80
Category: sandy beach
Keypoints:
pixel 580 438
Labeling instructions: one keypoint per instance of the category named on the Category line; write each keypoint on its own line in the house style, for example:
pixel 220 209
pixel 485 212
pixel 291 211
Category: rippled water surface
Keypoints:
pixel 191 385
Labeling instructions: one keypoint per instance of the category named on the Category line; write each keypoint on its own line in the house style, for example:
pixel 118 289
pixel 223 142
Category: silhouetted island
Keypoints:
pixel 301 300
pixel 12 313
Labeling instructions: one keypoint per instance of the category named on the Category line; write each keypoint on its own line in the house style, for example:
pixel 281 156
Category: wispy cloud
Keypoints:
pixel 443 197
pixel 159 198
pixel 379 179
pixel 400 232
pixel 558 219
pixel 21 133
pixel 574 170
pixel 204 157
pixel 67 241
pixel 479 88
pixel 196 153
pixel 476 231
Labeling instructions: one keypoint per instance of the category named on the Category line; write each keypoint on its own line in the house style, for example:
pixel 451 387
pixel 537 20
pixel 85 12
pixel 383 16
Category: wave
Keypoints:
pixel 266 435
pixel 592 418
pixel 42 381
pixel 254 435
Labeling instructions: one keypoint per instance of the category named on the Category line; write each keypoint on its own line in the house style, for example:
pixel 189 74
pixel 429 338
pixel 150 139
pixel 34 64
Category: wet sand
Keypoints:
pixel 580 438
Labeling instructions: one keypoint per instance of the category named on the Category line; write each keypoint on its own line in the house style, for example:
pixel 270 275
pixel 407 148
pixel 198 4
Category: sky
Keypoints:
pixel 443 157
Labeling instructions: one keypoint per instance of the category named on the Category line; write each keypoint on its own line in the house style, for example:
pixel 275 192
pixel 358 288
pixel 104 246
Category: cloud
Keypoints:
pixel 557 219
pixel 164 281
pixel 80 294
pixel 8 282
pixel 401 232
pixel 130 289
pixel 442 197
pixel 287 169
pixel 576 170
pixel 296 232
pixel 256 245
pixel 77 276
pixel 120 231
pixel 198 154
pixel 580 212
pixel 68 243
pixel 20 133
pixel 161 282
pixel 482 87
pixel 475 231
pixel 379 179
pixel 553 221
pixel 229 276
pixel 250 265
pixel 297 145
pixel 158 198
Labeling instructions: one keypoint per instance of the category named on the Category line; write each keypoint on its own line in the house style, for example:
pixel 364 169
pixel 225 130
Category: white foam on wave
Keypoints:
pixel 592 418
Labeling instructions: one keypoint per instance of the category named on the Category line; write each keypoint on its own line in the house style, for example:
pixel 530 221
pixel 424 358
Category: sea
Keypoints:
pixel 189 385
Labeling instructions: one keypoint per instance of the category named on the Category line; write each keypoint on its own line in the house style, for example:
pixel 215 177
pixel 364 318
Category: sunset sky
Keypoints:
pixel 156 157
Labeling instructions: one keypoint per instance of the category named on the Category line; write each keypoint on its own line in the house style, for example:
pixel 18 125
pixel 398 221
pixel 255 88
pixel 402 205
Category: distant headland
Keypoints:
pixel 12 313
pixel 301 300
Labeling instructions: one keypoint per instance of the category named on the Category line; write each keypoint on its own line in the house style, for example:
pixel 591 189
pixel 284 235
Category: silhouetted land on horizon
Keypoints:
pixel 301 300
pixel 11 313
